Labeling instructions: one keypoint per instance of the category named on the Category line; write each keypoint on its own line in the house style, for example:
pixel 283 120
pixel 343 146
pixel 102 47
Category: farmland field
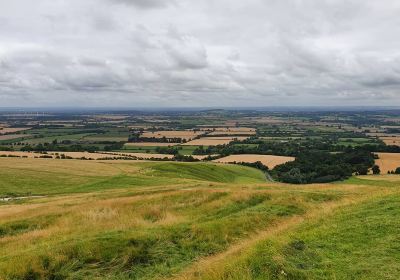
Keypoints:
pixel 157 220
pixel 212 141
pixel 101 196
pixel 388 161
pixel 187 135
pixel 267 160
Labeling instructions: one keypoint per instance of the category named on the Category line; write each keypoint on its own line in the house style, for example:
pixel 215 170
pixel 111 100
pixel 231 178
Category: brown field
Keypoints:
pixel 227 129
pixel 13 136
pixel 87 155
pixel 150 144
pixel 212 141
pixel 20 154
pixel 5 130
pixel 143 155
pixel 184 134
pixel 232 133
pixel 391 140
pixel 388 161
pixel 268 160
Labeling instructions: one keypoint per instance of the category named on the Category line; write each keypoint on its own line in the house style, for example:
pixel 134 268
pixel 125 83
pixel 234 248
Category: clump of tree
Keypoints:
pixel 322 167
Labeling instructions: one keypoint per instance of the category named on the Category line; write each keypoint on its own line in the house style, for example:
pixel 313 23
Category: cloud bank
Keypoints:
pixel 199 53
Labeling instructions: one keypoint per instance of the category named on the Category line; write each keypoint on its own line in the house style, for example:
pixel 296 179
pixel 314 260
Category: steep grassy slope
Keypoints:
pixel 21 177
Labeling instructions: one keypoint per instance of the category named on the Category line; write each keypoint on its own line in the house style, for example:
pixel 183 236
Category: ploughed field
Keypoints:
pixel 74 219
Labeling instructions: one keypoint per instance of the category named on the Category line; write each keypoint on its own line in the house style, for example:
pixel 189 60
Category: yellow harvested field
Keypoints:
pixel 184 134
pixel 20 154
pixel 87 155
pixel 143 155
pixel 267 160
pixel 391 140
pixel 229 129
pixel 383 177
pixel 150 144
pixel 388 162
pixel 12 136
pixel 213 141
pixel 232 133
pixel 5 130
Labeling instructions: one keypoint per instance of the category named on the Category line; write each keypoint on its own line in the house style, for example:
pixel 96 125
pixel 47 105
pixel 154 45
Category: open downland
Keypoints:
pixel 158 220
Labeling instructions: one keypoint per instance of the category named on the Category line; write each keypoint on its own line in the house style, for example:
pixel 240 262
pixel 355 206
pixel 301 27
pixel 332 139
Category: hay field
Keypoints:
pixel 6 130
pixel 267 160
pixel 212 141
pixel 20 154
pixel 142 155
pixel 150 144
pixel 13 136
pixel 184 134
pixel 388 161
pixel 391 140
pixel 163 220
pixel 232 133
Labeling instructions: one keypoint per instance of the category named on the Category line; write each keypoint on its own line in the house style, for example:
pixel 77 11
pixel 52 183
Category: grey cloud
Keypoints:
pixel 146 4
pixel 199 53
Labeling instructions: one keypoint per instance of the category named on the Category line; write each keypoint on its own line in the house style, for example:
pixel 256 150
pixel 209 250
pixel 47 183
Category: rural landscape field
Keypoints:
pixel 199 140
pixel 138 195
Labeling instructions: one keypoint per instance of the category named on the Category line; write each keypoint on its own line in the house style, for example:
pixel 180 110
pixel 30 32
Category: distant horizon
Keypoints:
pixel 282 108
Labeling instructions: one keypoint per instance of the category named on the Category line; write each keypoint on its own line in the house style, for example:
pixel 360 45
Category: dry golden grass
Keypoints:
pixel 184 134
pixel 232 133
pixel 388 161
pixel 267 160
pixel 143 155
pixel 383 177
pixel 71 167
pixel 5 130
pixel 229 129
pixel 391 140
pixel 212 141
pixel 13 136
pixel 20 154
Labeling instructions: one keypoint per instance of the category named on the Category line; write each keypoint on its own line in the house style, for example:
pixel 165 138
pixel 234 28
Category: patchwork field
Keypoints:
pixel 5 130
pixel 391 140
pixel 161 220
pixel 184 134
pixel 212 141
pixel 150 144
pixel 267 160
pixel 232 133
pixel 388 162
pixel 12 136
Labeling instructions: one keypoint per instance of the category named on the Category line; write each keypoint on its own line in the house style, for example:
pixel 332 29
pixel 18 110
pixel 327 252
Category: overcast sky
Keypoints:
pixel 199 53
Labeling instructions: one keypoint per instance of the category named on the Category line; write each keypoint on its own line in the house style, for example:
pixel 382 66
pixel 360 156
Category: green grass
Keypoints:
pixel 209 172
pixel 359 242
pixel 39 181
pixel 153 220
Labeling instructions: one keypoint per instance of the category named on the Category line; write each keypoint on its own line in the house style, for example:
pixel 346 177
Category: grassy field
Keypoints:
pixel 165 220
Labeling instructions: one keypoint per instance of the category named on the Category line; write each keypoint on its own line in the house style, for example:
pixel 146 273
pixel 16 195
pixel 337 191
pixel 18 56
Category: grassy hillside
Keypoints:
pixel 164 220
pixel 21 177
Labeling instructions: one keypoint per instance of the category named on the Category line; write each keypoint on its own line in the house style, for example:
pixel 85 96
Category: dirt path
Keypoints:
pixel 209 265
